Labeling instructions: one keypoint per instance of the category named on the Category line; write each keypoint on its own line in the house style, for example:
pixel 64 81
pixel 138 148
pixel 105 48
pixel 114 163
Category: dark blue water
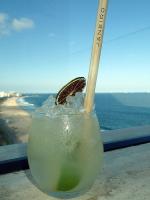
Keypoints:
pixel 114 110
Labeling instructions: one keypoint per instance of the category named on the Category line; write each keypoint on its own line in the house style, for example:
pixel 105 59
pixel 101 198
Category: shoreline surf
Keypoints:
pixel 14 121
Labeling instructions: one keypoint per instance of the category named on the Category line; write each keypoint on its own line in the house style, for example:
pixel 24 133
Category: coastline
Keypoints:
pixel 14 122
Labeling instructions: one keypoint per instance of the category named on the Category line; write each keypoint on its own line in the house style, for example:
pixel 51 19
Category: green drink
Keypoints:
pixel 65 152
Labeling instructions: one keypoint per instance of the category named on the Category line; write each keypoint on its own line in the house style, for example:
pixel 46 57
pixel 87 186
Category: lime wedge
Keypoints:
pixel 70 89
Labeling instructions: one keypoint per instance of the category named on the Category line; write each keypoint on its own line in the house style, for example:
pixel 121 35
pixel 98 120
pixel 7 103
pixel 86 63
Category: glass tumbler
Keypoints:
pixel 65 152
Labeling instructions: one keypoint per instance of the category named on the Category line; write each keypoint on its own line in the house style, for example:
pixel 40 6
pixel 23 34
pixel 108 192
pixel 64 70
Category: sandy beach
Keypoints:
pixel 14 122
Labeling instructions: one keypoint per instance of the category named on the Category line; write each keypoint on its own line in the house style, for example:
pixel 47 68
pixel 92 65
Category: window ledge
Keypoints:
pixel 125 175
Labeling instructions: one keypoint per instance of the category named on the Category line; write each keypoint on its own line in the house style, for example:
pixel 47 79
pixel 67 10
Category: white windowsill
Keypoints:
pixel 125 175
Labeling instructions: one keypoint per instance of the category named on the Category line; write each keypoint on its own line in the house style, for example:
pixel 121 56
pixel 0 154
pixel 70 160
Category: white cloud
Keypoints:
pixel 22 23
pixel 4 30
pixel 3 17
pixel 8 24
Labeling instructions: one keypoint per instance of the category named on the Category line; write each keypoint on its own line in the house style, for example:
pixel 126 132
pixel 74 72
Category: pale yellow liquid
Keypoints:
pixel 65 152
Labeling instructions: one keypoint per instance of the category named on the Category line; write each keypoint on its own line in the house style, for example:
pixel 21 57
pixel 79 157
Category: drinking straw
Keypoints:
pixel 95 56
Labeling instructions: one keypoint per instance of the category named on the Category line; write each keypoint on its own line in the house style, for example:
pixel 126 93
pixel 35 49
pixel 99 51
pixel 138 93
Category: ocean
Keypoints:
pixel 114 110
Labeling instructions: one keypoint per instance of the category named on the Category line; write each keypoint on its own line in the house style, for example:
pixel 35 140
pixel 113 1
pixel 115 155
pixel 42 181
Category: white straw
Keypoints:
pixel 95 56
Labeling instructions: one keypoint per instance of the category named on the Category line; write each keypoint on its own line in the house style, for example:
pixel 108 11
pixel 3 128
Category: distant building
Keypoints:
pixel 3 94
pixel 9 94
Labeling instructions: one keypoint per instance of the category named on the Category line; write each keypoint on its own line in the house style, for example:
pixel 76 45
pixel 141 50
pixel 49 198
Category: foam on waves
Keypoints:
pixel 22 102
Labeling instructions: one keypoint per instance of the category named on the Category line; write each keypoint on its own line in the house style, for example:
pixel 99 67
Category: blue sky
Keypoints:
pixel 46 43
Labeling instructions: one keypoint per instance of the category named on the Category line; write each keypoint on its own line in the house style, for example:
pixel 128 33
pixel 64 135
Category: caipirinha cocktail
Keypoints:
pixel 64 148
